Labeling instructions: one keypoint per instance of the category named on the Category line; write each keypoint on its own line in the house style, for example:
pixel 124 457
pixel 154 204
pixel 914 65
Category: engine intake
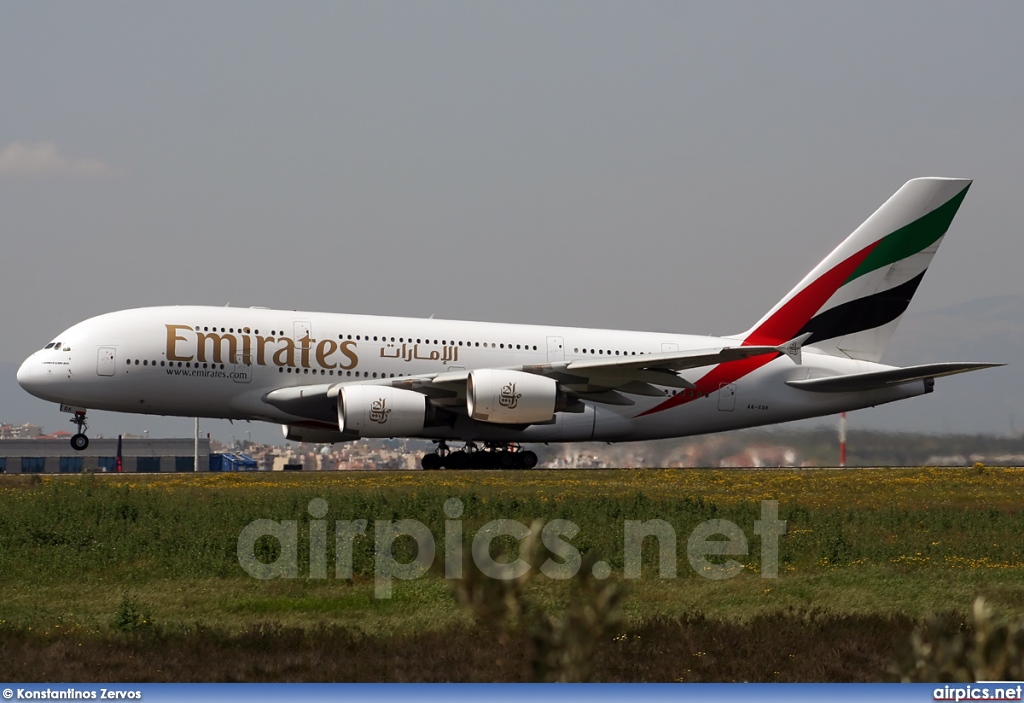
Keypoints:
pixel 511 397
pixel 381 411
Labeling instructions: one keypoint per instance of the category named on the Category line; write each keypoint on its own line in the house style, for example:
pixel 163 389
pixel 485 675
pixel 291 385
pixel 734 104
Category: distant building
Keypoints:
pixel 759 456
pixel 26 431
pixel 51 456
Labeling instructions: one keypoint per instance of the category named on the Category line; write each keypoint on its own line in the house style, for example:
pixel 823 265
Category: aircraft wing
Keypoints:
pixel 604 380
pixel 670 361
pixel 873 380
pixel 601 380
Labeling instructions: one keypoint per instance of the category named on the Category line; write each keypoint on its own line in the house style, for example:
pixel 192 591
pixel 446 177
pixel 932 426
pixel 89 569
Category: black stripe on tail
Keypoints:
pixel 862 314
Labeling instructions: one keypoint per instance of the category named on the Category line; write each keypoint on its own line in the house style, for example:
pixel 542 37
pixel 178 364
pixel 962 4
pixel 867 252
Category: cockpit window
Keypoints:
pixel 50 345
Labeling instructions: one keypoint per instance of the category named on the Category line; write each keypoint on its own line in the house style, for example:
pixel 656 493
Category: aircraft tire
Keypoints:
pixel 79 442
pixel 456 460
pixel 430 462
pixel 528 459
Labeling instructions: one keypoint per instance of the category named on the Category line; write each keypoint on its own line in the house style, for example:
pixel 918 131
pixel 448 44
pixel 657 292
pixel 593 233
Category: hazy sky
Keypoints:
pixel 670 166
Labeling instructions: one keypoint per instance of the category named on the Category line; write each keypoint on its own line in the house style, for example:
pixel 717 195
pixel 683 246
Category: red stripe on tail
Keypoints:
pixel 781 327
pixel 788 320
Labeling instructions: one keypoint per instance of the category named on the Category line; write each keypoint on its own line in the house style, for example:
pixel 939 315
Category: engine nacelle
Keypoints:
pixel 381 411
pixel 510 397
pixel 315 435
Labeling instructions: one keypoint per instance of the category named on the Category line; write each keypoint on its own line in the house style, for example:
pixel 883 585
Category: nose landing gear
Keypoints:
pixel 78 440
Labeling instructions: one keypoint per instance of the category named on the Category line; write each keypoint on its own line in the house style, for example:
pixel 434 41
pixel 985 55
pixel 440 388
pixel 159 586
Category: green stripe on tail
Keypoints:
pixel 909 240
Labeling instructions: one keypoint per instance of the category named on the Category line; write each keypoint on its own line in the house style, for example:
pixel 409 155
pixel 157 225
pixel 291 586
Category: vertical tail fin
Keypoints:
pixel 852 301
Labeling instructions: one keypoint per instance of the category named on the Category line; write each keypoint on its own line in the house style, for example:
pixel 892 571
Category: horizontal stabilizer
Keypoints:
pixel 882 379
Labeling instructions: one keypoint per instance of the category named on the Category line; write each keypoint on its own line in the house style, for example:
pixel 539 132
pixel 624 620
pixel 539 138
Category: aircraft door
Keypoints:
pixel 241 371
pixel 556 349
pixel 105 361
pixel 669 347
pixel 303 329
pixel 727 397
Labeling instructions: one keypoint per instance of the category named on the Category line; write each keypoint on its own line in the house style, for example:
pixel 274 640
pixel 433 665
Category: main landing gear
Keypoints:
pixel 493 455
pixel 78 440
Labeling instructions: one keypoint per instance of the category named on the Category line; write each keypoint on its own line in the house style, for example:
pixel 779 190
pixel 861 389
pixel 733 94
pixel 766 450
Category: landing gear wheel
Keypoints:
pixel 79 441
pixel 457 460
pixel 437 459
pixel 494 455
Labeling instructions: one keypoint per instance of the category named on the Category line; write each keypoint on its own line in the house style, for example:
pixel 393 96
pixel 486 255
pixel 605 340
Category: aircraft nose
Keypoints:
pixel 25 373
pixel 31 376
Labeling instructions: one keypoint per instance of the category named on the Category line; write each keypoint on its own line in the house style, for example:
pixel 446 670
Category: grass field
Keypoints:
pixel 138 577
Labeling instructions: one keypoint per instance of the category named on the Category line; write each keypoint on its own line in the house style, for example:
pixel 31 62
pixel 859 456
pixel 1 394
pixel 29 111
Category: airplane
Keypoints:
pixel 330 377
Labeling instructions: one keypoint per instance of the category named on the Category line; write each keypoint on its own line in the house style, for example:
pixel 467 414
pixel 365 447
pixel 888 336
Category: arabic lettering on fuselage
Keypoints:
pixel 449 352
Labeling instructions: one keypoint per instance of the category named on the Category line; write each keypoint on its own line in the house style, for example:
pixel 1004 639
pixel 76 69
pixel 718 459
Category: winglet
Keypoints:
pixel 794 347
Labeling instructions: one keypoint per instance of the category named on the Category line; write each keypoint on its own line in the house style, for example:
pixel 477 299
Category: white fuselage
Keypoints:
pixel 222 362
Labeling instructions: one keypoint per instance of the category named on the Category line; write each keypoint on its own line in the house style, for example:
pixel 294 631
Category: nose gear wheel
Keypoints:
pixel 79 441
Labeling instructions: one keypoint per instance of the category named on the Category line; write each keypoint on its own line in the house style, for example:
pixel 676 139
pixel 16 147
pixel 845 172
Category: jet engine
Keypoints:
pixel 381 411
pixel 511 397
